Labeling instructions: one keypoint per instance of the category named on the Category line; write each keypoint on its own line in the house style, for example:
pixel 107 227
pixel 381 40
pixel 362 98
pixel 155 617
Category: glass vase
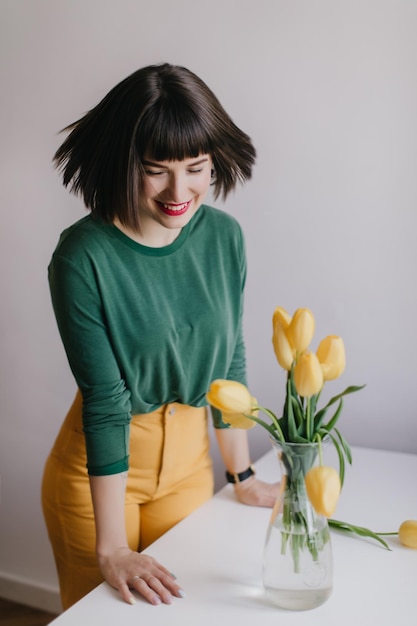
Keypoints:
pixel 298 560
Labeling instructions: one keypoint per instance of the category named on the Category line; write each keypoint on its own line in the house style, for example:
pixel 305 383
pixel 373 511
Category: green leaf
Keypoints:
pixel 298 413
pixel 339 451
pixel 267 427
pixel 348 390
pixel 361 531
pixel 331 424
pixel 346 447
pixel 313 402
pixel 293 390
pixel 292 429
pixel 319 418
pixel 274 428
pixel 283 425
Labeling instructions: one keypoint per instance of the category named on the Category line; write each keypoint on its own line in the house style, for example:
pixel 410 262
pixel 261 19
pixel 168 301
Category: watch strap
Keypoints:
pixel 241 476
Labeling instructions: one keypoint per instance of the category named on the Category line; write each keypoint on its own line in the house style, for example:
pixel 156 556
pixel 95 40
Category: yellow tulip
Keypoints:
pixel 300 330
pixel 407 533
pixel 229 396
pixel 281 317
pixel 238 420
pixel 308 376
pixel 323 489
pixel 331 354
pixel 282 347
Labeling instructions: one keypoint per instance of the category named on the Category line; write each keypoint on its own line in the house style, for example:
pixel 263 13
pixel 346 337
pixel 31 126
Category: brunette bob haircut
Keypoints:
pixel 164 112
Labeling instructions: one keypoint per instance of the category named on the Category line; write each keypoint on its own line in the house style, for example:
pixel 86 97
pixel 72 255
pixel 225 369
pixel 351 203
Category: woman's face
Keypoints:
pixel 174 190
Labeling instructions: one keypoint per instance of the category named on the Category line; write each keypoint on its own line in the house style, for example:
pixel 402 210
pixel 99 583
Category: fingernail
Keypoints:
pixel 132 600
pixel 181 593
pixel 173 576
pixel 156 600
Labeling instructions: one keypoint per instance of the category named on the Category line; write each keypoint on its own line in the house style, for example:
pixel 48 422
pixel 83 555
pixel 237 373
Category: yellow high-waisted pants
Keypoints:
pixel 170 475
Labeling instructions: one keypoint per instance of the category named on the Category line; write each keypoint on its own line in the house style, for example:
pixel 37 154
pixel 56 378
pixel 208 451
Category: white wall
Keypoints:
pixel 328 91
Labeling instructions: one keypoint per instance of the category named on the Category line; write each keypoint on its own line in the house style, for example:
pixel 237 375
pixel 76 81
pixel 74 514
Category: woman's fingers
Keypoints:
pixel 152 581
pixel 126 594
pixel 148 591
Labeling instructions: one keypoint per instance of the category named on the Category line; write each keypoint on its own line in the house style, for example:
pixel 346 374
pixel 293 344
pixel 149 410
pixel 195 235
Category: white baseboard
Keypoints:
pixel 30 593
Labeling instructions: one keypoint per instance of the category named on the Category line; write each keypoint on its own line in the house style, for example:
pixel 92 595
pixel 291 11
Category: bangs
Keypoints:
pixel 172 134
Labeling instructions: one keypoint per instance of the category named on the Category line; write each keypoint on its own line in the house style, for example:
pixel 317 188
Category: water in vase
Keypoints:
pixel 297 566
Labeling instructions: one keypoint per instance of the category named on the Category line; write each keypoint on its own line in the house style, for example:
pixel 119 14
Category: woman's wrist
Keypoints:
pixel 239 477
pixel 105 552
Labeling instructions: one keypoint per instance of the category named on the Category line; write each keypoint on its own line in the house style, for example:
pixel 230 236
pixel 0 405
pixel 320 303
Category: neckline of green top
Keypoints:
pixel 149 251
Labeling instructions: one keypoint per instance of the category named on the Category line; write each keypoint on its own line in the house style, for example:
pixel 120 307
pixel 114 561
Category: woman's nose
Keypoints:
pixel 177 188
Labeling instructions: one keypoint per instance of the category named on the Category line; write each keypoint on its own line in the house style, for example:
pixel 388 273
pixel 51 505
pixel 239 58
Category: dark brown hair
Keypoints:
pixel 163 111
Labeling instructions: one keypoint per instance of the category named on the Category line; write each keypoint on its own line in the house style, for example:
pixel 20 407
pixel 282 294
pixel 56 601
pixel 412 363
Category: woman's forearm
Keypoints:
pixel 108 494
pixel 234 449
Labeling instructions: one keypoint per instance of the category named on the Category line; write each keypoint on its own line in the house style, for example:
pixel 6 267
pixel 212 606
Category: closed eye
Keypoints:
pixel 149 173
pixel 160 173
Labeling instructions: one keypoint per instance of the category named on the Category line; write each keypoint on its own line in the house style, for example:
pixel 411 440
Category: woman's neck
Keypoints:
pixel 155 236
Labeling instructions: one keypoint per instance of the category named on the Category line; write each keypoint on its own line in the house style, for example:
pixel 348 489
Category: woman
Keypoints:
pixel 148 294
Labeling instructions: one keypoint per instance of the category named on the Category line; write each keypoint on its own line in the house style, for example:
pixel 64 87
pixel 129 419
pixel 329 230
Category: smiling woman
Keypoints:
pixel 172 193
pixel 147 291
pixel 159 113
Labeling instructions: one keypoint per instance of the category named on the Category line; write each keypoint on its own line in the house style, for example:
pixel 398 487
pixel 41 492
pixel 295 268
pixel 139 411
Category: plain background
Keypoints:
pixel 327 89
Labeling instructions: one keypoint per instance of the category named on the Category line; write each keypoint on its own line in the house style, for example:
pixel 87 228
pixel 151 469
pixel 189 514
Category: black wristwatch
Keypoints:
pixel 238 478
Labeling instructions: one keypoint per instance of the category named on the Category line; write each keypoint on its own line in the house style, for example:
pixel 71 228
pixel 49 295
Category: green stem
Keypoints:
pixel 308 425
pixel 267 427
pixel 318 439
pixel 274 421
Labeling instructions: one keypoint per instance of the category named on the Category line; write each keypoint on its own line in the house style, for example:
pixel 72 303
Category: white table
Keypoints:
pixel 216 554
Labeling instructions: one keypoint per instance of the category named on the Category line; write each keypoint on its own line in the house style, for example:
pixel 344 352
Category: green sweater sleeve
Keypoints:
pixel 106 401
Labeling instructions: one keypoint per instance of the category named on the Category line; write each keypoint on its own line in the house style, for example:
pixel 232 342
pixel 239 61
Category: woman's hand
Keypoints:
pixel 127 570
pixel 256 492
pixel 122 568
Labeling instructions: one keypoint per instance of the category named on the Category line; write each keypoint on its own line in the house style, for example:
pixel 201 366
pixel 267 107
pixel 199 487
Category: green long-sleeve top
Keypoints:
pixel 146 326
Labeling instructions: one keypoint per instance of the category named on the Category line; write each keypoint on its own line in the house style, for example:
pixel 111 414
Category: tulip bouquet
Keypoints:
pixel 298 433
pixel 302 422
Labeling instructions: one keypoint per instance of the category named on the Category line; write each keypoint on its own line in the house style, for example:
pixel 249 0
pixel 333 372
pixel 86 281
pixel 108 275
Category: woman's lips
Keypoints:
pixel 174 209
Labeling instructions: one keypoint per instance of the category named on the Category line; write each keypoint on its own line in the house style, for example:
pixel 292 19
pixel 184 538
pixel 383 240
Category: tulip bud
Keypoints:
pixel 229 396
pixel 323 489
pixel 301 330
pixel 407 533
pixel 308 376
pixel 281 317
pixel 238 420
pixel 331 354
pixel 282 347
